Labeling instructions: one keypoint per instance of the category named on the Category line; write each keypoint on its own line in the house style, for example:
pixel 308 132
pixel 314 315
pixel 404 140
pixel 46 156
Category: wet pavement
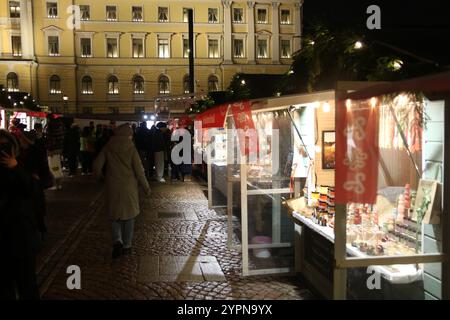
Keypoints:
pixel 179 250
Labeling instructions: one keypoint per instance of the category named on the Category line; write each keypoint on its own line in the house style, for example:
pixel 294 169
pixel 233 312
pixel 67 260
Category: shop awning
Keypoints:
pixel 214 117
pixel 432 84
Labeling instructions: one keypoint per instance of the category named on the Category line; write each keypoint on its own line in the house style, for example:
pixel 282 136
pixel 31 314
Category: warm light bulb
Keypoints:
pixel 326 107
pixel 243 82
pixel 373 102
pixel 348 104
pixel 358 45
pixel 316 104
pixel 318 149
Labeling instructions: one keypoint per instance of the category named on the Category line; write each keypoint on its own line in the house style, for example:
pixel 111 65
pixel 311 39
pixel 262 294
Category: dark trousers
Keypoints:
pixel 18 278
pixel 73 163
pixel 86 161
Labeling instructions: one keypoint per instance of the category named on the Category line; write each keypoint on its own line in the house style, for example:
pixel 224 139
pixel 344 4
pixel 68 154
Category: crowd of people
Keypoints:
pixel 123 157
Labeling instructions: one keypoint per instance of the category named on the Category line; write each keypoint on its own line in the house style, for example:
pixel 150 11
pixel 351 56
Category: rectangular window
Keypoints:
pixel 85 12
pixel 262 48
pixel 16 45
pixel 163 48
pixel 137 14
pixel 14 9
pixel 111 13
pixel 138 48
pixel 285 48
pixel 238 15
pixel 238 48
pixel 213 48
pixel 213 15
pixel 262 16
pixel 53 46
pixel 185 48
pixel 52 10
pixel 163 14
pixel 85 45
pixel 285 15
pixel 112 48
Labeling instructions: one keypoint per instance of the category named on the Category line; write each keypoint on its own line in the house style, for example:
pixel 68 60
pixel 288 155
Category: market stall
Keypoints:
pixel 379 230
pixel 288 139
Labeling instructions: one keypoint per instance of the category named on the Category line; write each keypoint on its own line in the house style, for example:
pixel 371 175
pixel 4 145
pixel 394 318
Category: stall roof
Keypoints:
pixel 434 86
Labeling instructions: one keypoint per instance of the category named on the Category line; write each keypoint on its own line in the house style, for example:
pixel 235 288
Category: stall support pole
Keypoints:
pixel 244 215
pixel 339 274
pixel 209 174
pixel 446 212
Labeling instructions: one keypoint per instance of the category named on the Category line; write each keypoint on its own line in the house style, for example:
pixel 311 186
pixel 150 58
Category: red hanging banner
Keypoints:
pixel 357 152
pixel 242 115
pixel 214 117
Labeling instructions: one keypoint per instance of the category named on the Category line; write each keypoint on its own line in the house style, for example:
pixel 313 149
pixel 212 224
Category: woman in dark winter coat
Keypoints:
pixel 18 226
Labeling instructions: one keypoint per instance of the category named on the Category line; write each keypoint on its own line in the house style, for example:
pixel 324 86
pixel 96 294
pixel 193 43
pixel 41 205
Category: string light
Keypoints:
pixel 348 104
pixel 373 102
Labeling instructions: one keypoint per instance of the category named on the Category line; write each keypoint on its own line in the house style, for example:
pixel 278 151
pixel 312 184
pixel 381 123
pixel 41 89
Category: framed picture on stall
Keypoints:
pixel 328 149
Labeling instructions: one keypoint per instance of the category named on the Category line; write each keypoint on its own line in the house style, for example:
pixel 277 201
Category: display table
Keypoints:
pixel 396 274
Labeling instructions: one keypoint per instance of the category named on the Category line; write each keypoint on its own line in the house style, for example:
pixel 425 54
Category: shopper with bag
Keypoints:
pixel 120 167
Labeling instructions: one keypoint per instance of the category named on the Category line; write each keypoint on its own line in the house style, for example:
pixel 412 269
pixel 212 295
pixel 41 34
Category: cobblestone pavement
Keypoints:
pixel 88 245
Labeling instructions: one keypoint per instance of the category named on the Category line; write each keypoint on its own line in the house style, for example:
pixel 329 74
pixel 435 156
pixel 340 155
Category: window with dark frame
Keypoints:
pixel 213 15
pixel 138 47
pixel 113 85
pixel 285 49
pixel 12 82
pixel 52 10
pixel 138 85
pixel 213 48
pixel 163 14
pixel 262 48
pixel 285 16
pixel 164 85
pixel 238 15
pixel 53 45
pixel 163 48
pixel 186 88
pixel 238 45
pixel 262 15
pixel 137 13
pixel 112 48
pixel 213 83
pixel 14 9
pixel 85 12
pixel 16 45
pixel 111 13
pixel 86 50
pixel 55 84
pixel 86 85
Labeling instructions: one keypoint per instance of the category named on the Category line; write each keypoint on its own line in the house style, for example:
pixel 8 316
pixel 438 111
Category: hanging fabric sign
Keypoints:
pixel 248 138
pixel 357 152
pixel 214 117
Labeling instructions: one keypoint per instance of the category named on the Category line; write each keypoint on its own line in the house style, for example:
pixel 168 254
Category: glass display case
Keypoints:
pixel 266 229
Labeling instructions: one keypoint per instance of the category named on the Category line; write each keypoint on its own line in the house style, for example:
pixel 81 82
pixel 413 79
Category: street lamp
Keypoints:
pixel 65 98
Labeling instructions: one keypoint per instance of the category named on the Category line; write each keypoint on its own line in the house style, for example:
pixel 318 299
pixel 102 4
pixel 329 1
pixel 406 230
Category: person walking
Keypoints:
pixel 87 148
pixel 143 141
pixel 158 145
pixel 72 148
pixel 119 165
pixel 18 226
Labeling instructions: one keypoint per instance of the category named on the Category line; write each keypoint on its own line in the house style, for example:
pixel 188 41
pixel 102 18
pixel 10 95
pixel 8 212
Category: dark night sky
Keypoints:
pixel 420 27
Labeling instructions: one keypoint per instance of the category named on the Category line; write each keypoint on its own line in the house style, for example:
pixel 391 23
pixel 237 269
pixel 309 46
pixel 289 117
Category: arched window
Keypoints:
pixel 113 85
pixel 213 83
pixel 86 85
pixel 138 84
pixel 186 84
pixel 164 84
pixel 12 82
pixel 55 84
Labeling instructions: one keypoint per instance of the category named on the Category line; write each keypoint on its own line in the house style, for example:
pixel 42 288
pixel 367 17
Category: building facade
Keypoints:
pixel 127 56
